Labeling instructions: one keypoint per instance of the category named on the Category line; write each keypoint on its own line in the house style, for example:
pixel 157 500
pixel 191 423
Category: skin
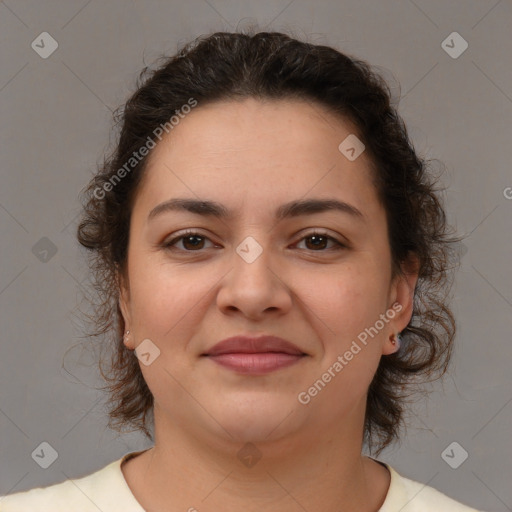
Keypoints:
pixel 252 156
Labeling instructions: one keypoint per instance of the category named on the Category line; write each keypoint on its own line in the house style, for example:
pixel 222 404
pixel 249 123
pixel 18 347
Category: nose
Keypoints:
pixel 254 287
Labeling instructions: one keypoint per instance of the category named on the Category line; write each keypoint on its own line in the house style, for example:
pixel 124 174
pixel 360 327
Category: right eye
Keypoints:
pixel 191 241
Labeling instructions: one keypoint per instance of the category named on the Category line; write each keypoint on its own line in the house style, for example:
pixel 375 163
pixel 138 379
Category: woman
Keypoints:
pixel 275 257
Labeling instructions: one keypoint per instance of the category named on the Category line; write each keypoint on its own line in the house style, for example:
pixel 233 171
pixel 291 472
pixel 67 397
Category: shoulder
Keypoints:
pixel 410 496
pixel 81 493
pixel 105 489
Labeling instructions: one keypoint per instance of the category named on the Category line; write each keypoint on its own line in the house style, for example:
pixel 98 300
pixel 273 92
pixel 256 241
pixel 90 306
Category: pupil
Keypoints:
pixel 317 238
pixel 192 237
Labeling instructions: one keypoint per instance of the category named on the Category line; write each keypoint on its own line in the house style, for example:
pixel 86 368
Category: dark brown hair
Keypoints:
pixel 270 65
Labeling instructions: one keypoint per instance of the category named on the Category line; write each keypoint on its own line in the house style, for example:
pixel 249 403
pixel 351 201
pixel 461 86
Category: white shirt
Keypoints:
pixel 108 491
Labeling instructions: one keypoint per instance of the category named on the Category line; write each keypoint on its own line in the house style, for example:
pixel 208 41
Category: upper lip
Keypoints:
pixel 251 345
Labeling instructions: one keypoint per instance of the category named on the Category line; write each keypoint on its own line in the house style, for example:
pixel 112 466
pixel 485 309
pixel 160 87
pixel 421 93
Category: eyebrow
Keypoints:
pixel 287 210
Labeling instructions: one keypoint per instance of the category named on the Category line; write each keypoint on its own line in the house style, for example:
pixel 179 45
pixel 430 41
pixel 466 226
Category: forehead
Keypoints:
pixel 284 149
pixel 286 129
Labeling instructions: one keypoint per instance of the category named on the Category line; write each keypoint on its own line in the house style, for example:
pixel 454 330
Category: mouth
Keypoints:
pixel 256 364
pixel 255 356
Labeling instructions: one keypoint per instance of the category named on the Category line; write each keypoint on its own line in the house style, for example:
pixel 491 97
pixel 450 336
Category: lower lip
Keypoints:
pixel 256 364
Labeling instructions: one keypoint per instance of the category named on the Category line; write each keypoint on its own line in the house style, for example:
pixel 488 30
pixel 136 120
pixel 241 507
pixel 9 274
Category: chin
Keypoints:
pixel 256 421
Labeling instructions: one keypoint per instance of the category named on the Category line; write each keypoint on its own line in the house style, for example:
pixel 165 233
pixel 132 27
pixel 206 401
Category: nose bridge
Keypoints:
pixel 252 286
pixel 254 248
pixel 251 250
pixel 252 257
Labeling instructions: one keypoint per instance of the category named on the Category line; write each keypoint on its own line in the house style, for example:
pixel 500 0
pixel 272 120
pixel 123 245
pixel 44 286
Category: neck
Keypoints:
pixel 304 471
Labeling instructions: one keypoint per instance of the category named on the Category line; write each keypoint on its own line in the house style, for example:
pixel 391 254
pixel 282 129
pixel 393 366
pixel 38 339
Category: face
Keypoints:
pixel 320 278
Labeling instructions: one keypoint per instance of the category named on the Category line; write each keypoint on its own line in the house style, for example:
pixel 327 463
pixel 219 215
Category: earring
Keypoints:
pixel 126 337
pixel 396 341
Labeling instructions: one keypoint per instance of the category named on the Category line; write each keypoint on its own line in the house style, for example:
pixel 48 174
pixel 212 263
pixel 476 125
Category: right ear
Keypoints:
pixel 124 303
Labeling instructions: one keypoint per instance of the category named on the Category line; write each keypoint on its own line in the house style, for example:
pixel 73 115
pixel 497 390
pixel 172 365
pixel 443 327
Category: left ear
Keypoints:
pixel 401 299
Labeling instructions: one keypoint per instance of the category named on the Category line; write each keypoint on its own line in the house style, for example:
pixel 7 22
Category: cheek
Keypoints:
pixel 350 303
pixel 350 299
pixel 165 298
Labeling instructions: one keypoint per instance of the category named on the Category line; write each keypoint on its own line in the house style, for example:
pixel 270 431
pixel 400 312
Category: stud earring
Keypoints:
pixel 396 341
pixel 126 337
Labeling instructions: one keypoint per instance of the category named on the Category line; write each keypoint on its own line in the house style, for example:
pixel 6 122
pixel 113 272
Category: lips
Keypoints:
pixel 255 356
pixel 249 345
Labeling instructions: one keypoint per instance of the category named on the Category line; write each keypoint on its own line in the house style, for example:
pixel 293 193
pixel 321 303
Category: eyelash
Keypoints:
pixel 169 244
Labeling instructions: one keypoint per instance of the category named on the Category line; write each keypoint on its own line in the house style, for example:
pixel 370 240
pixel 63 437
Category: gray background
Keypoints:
pixel 56 120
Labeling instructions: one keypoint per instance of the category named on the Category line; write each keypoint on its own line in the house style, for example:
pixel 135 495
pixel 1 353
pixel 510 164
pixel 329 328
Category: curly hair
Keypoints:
pixel 271 65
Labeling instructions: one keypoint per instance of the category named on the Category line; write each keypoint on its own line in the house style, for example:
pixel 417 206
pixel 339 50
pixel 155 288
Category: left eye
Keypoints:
pixel 193 240
pixel 319 239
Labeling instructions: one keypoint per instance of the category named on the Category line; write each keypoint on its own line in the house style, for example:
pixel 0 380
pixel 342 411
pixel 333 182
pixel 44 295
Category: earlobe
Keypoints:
pixel 127 340
pixel 395 341
pixel 402 302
